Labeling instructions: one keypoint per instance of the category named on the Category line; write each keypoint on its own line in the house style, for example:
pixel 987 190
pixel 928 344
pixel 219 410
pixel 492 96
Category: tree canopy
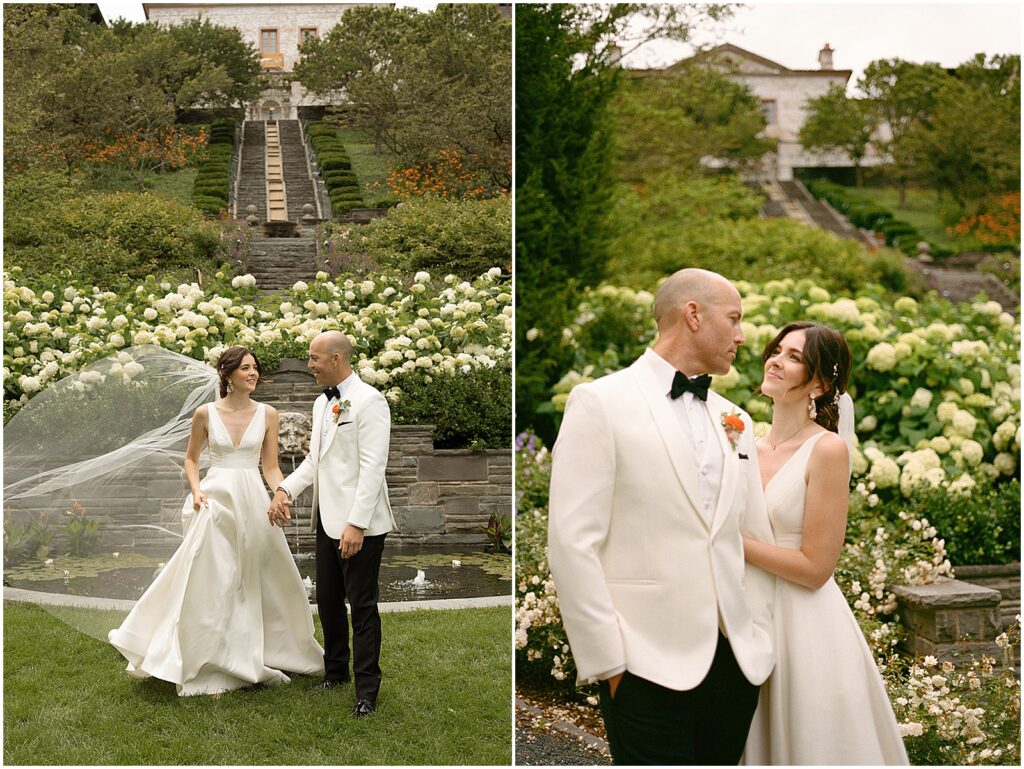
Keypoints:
pixel 71 86
pixel 673 120
pixel 423 84
pixel 838 122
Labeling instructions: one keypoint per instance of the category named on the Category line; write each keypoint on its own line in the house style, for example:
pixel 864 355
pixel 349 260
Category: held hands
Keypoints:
pixel 280 512
pixel 199 500
pixel 351 541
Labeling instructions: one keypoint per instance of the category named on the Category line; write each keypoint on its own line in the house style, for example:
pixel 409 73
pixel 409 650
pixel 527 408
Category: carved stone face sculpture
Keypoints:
pixel 293 438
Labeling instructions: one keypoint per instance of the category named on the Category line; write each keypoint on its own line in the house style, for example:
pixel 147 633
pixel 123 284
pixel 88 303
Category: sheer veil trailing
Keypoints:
pixel 846 423
pixel 107 442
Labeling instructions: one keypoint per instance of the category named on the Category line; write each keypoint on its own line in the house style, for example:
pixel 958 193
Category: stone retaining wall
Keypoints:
pixel 438 496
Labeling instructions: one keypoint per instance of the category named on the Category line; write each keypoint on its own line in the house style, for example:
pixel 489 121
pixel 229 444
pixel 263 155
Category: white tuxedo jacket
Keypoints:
pixel 347 468
pixel 642 578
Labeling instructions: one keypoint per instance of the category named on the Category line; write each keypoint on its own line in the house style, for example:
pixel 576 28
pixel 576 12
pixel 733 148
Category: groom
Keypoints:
pixel 348 452
pixel 654 481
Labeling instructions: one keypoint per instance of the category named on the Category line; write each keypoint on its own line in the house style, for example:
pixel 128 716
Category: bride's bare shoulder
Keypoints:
pixel 831 448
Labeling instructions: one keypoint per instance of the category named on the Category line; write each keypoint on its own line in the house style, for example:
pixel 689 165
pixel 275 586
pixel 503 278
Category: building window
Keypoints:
pixel 268 41
pixel 306 34
pixel 770 111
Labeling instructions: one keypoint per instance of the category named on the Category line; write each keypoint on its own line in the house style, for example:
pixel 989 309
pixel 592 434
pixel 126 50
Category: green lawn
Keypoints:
pixel 922 209
pixel 445 699
pixel 369 166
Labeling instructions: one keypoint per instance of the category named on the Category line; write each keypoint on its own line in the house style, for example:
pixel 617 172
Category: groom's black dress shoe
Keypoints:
pixel 364 708
pixel 329 683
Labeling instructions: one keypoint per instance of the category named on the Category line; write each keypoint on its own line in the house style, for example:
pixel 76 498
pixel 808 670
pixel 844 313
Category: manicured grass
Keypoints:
pixel 922 210
pixel 173 184
pixel 445 699
pixel 370 167
pixel 176 184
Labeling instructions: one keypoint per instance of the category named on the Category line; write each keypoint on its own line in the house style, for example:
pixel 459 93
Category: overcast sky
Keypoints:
pixel 792 34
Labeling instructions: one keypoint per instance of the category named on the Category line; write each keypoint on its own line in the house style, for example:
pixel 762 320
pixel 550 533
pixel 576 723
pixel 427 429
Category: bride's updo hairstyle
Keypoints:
pixel 827 357
pixel 229 361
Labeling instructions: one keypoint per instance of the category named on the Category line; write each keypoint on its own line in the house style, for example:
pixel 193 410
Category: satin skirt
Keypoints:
pixel 229 608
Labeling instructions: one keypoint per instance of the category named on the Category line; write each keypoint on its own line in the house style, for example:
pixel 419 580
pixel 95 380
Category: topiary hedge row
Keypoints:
pixel 335 168
pixel 898 234
pixel 213 182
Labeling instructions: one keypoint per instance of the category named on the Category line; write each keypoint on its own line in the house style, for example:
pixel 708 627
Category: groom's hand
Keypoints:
pixel 351 541
pixel 280 508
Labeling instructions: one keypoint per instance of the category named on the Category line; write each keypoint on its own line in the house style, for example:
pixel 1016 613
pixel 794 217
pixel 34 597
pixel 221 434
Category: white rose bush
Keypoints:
pixel 935 481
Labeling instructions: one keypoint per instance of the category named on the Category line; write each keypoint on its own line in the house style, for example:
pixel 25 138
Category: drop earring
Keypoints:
pixel 812 408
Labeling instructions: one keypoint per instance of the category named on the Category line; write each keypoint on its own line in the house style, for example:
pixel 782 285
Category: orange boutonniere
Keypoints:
pixel 734 426
pixel 338 409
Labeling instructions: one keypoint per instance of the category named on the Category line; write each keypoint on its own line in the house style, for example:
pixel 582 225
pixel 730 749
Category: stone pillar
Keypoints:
pixel 950 619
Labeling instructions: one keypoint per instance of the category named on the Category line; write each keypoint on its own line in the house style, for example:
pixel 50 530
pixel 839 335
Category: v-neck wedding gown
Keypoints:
pixel 229 608
pixel 825 703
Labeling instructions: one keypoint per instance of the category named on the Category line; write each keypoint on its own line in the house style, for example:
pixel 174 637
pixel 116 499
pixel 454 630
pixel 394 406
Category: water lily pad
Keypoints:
pixel 496 564
pixel 79 566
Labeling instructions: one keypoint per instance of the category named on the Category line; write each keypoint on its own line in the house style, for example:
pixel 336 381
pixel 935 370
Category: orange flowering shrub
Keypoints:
pixel 170 147
pixel 447 177
pixel 997 222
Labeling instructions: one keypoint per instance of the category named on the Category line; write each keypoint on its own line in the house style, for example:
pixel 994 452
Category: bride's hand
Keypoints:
pixel 199 500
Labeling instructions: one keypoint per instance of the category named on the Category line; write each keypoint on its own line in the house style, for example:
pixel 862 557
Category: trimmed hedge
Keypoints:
pixel 335 167
pixel 898 234
pixel 211 189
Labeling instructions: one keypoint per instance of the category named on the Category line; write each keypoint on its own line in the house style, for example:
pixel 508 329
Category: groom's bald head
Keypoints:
pixel 691 284
pixel 698 314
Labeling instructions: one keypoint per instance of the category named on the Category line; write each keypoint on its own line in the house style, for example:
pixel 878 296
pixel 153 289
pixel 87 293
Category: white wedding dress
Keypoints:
pixel 229 609
pixel 825 703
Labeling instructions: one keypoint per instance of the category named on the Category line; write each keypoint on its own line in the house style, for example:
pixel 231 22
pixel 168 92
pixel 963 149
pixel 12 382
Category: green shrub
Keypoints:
pixel 470 410
pixel 341 207
pixel 107 237
pixel 333 177
pixel 981 528
pixel 334 164
pixel 463 237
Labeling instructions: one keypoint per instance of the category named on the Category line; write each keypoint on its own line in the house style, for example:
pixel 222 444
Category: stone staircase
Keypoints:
pixel 820 213
pixel 297 173
pixel 252 175
pixel 277 263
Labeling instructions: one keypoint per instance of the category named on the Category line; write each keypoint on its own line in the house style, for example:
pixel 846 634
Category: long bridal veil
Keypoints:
pixel 94 464
pixel 847 424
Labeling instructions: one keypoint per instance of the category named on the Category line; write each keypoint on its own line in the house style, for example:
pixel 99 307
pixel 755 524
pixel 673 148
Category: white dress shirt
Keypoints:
pixel 328 421
pixel 696 423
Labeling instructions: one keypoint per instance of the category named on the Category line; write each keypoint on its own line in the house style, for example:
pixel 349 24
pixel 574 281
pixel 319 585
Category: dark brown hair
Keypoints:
pixel 827 357
pixel 229 362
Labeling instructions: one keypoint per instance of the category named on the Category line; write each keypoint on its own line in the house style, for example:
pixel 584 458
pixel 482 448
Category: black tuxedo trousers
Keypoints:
pixel 357 579
pixel 707 725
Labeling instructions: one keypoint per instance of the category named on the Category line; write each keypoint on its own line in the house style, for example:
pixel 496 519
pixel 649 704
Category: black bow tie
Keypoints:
pixel 698 385
pixel 332 392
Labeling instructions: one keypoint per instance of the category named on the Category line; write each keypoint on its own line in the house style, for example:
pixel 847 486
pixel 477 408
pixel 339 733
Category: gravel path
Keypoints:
pixel 541 741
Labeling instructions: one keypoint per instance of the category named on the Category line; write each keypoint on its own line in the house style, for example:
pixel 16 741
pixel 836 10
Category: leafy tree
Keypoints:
pixel 837 122
pixel 62 86
pixel 970 147
pixel 566 76
pixel 423 83
pixel 224 68
pixel 903 94
pixel 672 121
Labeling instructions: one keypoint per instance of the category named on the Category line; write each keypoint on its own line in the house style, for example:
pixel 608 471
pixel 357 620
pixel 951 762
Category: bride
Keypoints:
pixel 229 609
pixel 825 702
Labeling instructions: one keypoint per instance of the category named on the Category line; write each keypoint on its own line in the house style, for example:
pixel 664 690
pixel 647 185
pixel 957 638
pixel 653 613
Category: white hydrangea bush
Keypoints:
pixel 433 324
